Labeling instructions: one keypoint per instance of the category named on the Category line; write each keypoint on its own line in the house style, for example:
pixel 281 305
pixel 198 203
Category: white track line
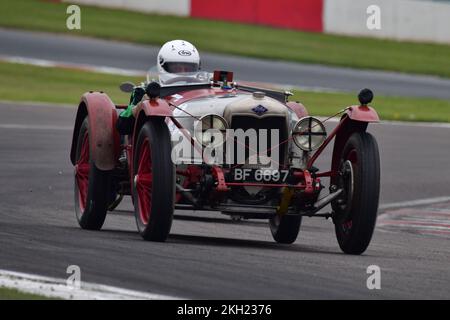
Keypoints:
pixel 415 124
pixel 57 288
pixel 33 127
pixel 413 203
pixel 397 123
pixel 33 104
pixel 413 226
pixel 423 220
pixel 78 66
pixel 129 72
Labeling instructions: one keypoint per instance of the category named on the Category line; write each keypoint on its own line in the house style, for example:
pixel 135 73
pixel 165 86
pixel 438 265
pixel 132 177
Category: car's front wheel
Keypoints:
pixel 154 181
pixel 355 211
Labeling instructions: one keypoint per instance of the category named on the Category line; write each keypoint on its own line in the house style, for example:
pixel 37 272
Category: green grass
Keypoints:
pixel 20 82
pixel 388 108
pixel 13 294
pixel 31 83
pixel 233 38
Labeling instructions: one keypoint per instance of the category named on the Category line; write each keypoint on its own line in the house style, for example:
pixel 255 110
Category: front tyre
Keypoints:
pixel 154 181
pixel 356 209
pixel 93 187
pixel 285 228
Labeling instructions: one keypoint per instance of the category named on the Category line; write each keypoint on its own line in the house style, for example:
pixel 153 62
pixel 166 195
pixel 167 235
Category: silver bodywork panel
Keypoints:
pixel 229 106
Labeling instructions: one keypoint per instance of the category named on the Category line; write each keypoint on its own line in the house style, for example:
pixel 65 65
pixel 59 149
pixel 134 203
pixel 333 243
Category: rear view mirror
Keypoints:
pixel 127 86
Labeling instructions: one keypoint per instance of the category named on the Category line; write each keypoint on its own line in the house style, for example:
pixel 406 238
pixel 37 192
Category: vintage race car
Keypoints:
pixel 217 145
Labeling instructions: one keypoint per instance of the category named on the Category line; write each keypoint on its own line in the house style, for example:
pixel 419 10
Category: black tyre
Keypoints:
pixel 355 211
pixel 154 181
pixel 93 187
pixel 285 228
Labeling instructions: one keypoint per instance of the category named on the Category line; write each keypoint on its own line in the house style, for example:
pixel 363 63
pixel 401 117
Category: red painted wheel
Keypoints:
pixel 143 181
pixel 92 188
pixel 154 181
pixel 355 211
pixel 82 173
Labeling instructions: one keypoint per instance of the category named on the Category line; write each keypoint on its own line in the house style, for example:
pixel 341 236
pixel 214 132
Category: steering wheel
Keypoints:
pixel 187 79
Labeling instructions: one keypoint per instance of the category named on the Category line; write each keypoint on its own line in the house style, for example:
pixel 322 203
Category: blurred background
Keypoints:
pixel 324 51
pixel 424 20
pixel 319 49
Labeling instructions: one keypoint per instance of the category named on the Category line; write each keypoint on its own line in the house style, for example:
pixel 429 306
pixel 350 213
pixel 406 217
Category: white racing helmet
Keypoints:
pixel 177 59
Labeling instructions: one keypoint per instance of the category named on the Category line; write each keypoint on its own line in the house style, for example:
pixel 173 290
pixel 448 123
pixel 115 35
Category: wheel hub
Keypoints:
pixel 346 182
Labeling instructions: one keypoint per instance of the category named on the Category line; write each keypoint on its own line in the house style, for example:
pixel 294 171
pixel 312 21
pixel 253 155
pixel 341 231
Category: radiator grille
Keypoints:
pixel 269 123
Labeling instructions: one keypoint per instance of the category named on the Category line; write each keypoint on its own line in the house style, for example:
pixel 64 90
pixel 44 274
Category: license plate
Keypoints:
pixel 260 175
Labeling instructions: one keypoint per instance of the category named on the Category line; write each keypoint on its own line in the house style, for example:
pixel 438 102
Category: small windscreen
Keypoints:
pixel 180 67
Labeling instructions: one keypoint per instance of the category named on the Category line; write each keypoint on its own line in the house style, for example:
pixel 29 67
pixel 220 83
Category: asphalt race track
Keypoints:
pixel 207 255
pixel 63 49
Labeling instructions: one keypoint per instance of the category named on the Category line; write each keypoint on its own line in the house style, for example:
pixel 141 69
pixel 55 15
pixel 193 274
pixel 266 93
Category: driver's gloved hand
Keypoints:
pixel 125 122
pixel 137 95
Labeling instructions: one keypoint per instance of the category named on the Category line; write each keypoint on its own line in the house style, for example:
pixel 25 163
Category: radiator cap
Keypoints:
pixel 259 95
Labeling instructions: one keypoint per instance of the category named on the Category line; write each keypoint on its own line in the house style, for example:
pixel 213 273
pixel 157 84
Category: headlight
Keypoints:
pixel 309 133
pixel 210 130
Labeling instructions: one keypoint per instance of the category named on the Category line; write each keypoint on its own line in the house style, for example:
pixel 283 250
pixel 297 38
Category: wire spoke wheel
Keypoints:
pixel 154 181
pixel 143 182
pixel 82 173
pixel 93 187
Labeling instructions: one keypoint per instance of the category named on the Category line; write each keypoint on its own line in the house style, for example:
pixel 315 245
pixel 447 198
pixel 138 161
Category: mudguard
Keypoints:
pixel 104 139
pixel 156 107
pixel 355 119
pixel 363 113
pixel 298 108
pixel 150 108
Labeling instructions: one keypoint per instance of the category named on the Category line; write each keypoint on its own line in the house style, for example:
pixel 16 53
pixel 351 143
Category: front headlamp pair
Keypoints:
pixel 308 134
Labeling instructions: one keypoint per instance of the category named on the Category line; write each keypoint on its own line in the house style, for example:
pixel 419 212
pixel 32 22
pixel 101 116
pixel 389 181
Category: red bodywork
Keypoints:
pixel 362 113
pixel 156 107
pixel 105 145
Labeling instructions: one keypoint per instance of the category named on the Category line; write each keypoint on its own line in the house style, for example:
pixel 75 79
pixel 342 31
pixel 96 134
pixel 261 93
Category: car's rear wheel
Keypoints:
pixel 154 181
pixel 355 211
pixel 93 187
pixel 285 228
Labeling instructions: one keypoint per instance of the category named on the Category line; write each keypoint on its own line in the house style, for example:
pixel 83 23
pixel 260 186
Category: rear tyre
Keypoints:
pixel 154 181
pixel 285 228
pixel 93 187
pixel 356 210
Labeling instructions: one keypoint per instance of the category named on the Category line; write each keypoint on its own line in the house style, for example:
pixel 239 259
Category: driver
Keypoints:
pixel 176 59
